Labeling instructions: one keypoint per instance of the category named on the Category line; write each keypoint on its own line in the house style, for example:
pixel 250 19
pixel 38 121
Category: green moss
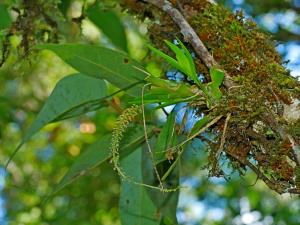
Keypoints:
pixel 294 129
pixel 263 84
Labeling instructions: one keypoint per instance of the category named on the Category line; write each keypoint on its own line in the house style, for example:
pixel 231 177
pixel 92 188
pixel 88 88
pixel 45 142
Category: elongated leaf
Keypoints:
pixel 166 57
pixel 99 152
pixel 160 95
pixel 182 90
pixel 5 19
pixel 184 62
pixel 163 102
pixel 93 156
pixel 114 66
pixel 110 24
pixel 215 91
pixel 72 93
pixel 136 208
pixel 88 106
pixel 189 57
pixel 217 76
pixel 167 138
pixel 166 203
pixel 199 125
pixel 164 91
pixel 181 58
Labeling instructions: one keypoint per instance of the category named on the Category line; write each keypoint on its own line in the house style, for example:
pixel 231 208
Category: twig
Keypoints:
pixel 215 120
pixel 164 110
pixel 223 136
pixel 180 7
pixel 272 185
pixel 295 149
pixel 147 141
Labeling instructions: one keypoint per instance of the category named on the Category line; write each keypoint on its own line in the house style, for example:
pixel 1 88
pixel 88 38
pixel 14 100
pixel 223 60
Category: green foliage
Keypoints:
pixel 165 202
pixel 99 152
pixel 139 205
pixel 136 207
pixel 184 62
pixel 217 77
pixel 5 19
pixel 70 97
pixel 93 156
pixel 199 125
pixel 113 66
pixel 110 25
pixel 166 92
pixel 166 139
pixel 71 93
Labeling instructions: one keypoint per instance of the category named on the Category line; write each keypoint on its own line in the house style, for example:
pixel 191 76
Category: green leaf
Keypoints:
pixel 167 138
pixel 182 90
pixel 184 62
pixel 93 156
pixel 64 6
pixel 164 91
pixel 217 76
pixel 189 57
pixel 72 93
pixel 166 202
pixel 181 58
pixel 160 95
pixel 199 125
pixel 215 91
pixel 99 152
pixel 136 207
pixel 5 19
pixel 114 66
pixel 110 24
pixel 166 57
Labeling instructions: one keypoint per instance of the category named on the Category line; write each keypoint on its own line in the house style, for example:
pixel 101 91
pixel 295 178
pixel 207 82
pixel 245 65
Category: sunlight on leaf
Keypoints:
pixel 114 66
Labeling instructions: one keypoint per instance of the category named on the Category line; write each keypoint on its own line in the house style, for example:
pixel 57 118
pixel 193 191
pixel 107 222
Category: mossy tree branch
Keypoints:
pixel 190 36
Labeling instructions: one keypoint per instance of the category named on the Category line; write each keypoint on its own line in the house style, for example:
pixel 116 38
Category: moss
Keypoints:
pixel 263 85
pixel 294 129
pixel 250 57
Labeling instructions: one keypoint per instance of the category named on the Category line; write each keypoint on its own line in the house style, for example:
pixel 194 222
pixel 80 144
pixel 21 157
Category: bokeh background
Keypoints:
pixel 25 83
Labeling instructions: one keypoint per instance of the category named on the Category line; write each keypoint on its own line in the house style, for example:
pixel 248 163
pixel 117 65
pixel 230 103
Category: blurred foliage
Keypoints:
pixel 27 79
pixel 280 18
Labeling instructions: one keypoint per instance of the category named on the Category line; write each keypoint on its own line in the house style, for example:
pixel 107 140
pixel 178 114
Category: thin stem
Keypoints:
pixel 223 136
pixel 147 140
